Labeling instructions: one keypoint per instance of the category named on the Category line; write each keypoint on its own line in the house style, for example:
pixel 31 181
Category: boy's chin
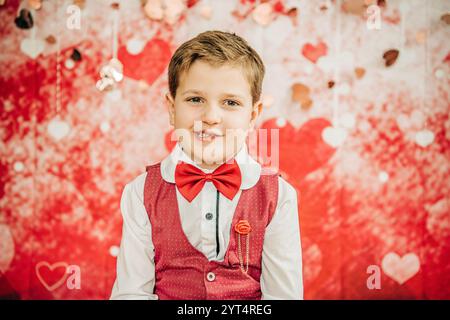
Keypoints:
pixel 205 160
pixel 210 155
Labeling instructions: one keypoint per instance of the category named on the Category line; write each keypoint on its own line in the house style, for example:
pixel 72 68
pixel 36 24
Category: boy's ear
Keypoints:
pixel 170 107
pixel 256 111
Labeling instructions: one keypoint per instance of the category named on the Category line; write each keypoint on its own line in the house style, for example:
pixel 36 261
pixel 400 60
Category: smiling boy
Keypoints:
pixel 205 223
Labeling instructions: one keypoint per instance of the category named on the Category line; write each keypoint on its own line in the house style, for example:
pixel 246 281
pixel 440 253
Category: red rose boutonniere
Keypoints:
pixel 243 229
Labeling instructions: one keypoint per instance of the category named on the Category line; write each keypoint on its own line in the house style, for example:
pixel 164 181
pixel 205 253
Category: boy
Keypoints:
pixel 205 223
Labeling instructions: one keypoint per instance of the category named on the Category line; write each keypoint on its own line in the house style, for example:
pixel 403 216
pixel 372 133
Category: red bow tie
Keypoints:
pixel 190 180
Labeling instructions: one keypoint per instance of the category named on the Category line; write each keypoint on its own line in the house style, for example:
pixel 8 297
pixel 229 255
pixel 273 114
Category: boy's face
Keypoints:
pixel 216 101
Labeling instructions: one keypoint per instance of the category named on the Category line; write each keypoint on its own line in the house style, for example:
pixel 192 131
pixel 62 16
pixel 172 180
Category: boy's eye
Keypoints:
pixel 232 103
pixel 194 99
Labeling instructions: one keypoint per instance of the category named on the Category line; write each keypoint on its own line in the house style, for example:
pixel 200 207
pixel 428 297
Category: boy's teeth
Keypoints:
pixel 203 135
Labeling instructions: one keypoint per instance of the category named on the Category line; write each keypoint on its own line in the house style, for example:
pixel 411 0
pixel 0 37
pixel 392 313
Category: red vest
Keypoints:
pixel 181 271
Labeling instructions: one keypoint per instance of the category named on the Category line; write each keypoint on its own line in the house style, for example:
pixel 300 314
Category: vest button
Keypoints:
pixel 209 216
pixel 211 276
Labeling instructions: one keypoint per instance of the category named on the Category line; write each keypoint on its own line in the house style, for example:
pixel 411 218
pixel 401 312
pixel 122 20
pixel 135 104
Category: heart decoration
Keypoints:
pixel 390 57
pixel 314 52
pixel 76 55
pixel 58 129
pixel 400 269
pixel 148 64
pixel 24 20
pixel 424 138
pixel 32 47
pixel 170 140
pixel 300 93
pixel 52 276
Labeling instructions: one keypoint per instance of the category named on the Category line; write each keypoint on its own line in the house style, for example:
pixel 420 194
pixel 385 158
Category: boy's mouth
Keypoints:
pixel 207 135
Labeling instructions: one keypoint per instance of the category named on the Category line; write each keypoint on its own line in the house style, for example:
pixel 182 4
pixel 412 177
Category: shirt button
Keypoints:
pixel 209 216
pixel 211 276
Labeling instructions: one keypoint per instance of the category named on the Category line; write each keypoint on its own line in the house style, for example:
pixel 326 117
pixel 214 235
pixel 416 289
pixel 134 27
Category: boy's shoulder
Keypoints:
pixel 138 182
pixel 285 189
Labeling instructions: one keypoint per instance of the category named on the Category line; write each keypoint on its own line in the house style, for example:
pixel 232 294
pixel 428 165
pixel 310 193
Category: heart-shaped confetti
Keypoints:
pixel 390 57
pixel 32 47
pixel 300 93
pixel 424 138
pixel 314 52
pixel 76 55
pixel 333 136
pixel 50 39
pixel 24 20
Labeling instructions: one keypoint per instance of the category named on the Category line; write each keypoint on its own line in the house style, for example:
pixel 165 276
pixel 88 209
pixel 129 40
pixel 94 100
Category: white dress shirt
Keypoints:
pixel 281 274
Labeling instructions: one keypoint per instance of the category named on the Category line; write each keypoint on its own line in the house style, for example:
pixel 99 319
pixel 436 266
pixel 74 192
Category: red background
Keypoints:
pixel 378 198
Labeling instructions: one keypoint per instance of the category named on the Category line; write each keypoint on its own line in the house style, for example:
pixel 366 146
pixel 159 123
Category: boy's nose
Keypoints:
pixel 211 114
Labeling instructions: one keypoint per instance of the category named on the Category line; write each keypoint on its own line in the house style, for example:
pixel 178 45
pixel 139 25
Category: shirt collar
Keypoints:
pixel 250 169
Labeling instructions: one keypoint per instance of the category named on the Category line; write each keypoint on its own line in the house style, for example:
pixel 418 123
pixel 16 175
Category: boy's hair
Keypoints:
pixel 218 48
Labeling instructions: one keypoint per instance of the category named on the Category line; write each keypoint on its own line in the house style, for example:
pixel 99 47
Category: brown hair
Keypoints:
pixel 218 48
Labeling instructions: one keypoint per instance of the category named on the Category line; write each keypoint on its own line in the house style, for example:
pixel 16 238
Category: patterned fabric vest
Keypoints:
pixel 181 271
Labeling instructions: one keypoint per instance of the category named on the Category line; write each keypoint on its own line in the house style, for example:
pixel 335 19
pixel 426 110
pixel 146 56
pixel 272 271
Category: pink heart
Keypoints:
pixel 314 52
pixel 400 269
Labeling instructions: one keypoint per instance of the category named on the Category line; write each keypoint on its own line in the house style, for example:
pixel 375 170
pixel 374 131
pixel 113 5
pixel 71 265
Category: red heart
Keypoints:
pixel 313 53
pixel 149 64
pixel 302 150
pixel 51 276
pixel 169 141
